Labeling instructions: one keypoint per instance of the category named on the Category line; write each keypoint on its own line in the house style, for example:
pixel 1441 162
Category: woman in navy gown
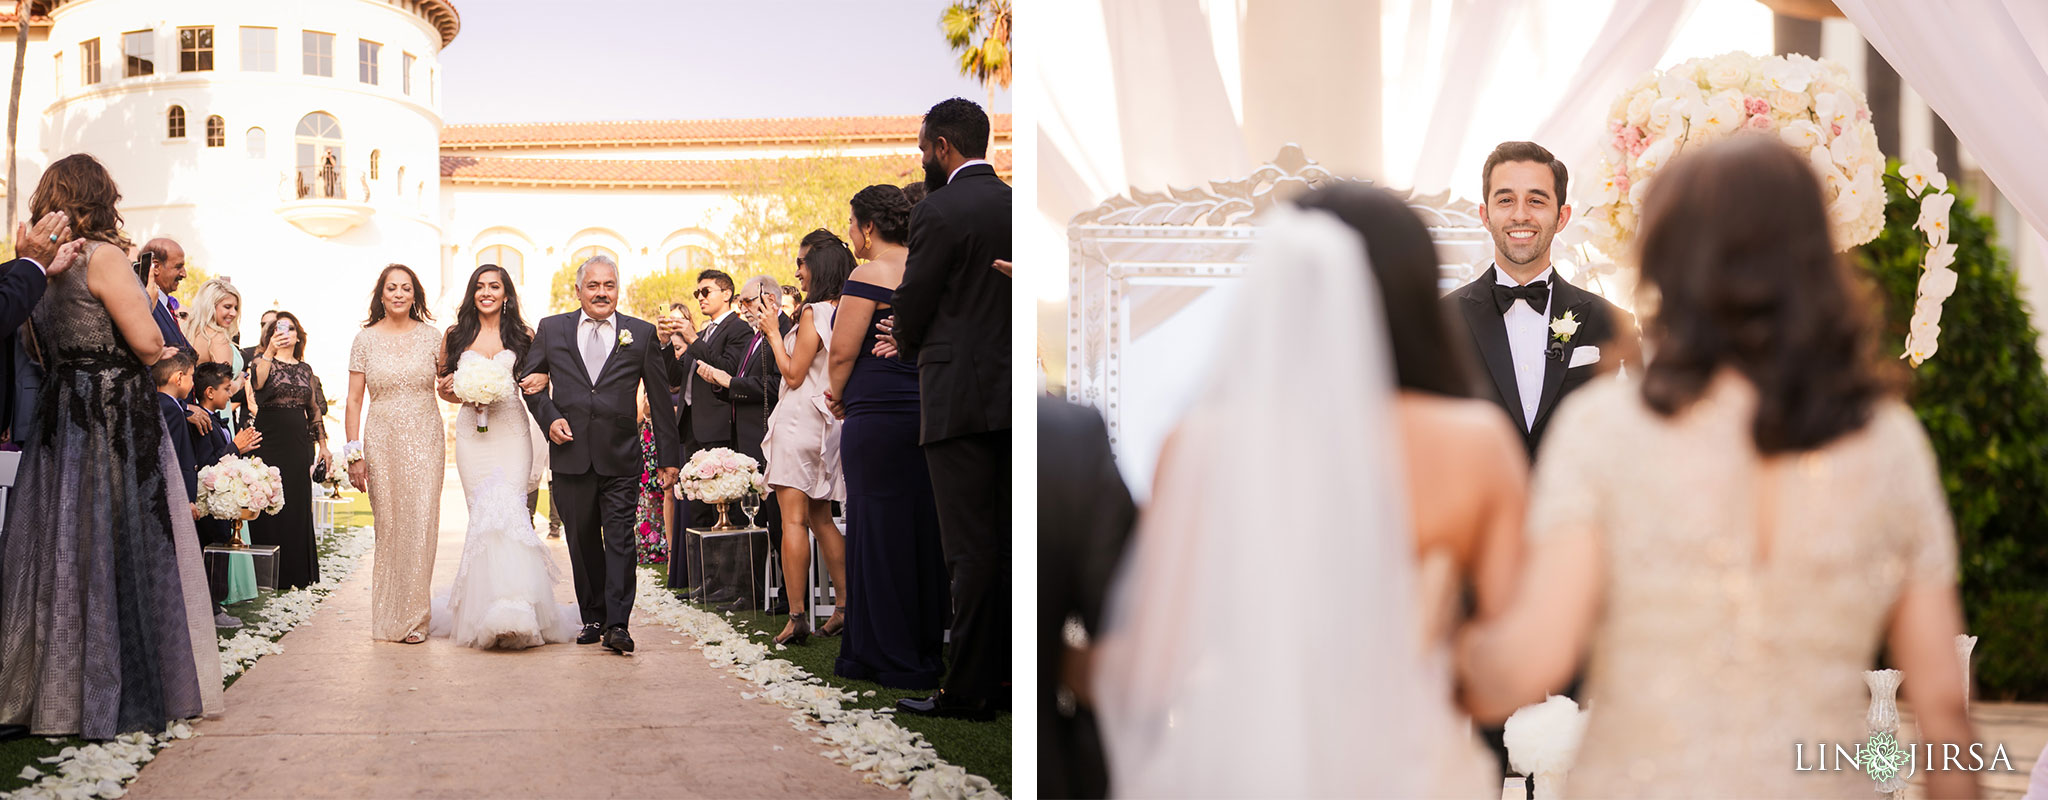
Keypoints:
pixel 895 570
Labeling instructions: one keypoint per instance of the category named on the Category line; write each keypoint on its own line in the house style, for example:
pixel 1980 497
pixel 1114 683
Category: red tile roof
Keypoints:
pixel 693 132
pixel 608 173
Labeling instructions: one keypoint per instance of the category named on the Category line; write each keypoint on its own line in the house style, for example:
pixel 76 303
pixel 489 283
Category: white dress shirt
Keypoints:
pixel 1528 336
pixel 970 162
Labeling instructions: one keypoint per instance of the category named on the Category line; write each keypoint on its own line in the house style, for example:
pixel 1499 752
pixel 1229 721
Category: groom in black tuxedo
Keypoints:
pixel 953 322
pixel 596 359
pixel 1538 337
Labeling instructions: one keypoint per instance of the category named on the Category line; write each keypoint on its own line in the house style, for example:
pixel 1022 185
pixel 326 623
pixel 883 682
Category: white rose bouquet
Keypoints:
pixel 481 382
pixel 240 488
pixel 719 475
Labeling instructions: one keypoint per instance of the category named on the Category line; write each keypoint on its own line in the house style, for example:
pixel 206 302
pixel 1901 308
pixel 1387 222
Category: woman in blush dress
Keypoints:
pixel 803 437
pixel 1729 540
pixel 103 602
pixel 895 570
pixel 394 360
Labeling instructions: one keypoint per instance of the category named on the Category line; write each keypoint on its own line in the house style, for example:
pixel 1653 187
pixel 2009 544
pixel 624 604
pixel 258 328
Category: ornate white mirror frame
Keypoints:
pixel 1146 263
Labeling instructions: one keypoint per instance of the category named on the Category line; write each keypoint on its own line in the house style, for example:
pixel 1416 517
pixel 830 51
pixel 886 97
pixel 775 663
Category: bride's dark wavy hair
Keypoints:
pixel 1735 249
pixel 1427 357
pixel 512 330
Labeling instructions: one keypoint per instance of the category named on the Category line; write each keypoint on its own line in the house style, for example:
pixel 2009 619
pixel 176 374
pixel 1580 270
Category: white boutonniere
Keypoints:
pixel 1563 327
pixel 625 339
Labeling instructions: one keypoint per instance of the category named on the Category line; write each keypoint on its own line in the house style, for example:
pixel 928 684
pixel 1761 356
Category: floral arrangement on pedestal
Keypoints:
pixel 482 382
pixel 1809 105
pixel 240 488
pixel 719 475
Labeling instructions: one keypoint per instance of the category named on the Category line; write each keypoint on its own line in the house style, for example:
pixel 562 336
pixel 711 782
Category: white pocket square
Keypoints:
pixel 1584 355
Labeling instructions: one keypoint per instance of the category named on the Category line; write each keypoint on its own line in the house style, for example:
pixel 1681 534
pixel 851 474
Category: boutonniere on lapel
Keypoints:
pixel 625 339
pixel 1561 330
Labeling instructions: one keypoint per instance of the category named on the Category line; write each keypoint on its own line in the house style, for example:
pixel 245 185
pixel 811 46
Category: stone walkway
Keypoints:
pixel 338 715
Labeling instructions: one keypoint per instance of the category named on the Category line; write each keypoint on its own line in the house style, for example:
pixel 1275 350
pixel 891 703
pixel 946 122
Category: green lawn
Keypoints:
pixel 981 748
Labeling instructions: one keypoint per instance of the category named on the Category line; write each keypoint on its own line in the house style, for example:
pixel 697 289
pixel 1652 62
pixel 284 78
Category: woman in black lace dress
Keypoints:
pixel 289 406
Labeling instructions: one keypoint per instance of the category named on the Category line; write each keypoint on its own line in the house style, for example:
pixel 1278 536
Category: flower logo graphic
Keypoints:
pixel 1882 758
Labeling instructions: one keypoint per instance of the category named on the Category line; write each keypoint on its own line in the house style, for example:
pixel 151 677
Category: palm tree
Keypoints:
pixel 22 8
pixel 979 30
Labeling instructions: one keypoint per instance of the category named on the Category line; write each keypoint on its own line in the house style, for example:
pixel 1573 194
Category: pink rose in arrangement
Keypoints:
pixel 1759 122
pixel 1756 105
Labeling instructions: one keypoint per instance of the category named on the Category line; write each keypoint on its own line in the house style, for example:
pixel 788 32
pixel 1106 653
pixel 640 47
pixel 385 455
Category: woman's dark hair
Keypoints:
pixel 298 349
pixel 915 192
pixel 884 207
pixel 80 186
pixel 818 237
pixel 828 265
pixel 418 312
pixel 512 330
pixel 1735 244
pixel 1426 358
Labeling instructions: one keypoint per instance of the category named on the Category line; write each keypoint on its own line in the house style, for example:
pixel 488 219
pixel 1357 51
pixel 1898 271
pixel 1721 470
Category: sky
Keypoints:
pixel 522 61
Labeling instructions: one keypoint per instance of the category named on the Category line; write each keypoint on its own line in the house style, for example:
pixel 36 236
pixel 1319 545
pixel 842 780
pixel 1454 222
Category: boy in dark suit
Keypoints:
pixel 209 390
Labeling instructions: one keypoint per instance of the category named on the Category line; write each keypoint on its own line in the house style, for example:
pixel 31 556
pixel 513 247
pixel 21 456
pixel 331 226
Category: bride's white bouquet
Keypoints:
pixel 240 488
pixel 719 475
pixel 482 382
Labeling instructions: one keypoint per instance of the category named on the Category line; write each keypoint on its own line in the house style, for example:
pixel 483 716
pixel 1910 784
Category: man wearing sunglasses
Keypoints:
pixel 705 419
pixel 753 388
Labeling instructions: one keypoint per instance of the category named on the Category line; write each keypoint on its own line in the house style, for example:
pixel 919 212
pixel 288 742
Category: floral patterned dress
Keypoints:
pixel 653 547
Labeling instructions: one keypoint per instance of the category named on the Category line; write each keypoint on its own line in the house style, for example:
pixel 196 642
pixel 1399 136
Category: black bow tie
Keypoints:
pixel 1536 292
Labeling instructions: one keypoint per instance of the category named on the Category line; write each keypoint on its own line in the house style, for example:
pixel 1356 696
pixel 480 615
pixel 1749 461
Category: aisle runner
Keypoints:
pixel 868 741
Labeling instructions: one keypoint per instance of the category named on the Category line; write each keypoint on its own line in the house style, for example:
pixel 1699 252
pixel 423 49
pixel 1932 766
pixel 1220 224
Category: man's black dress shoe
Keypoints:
pixel 618 640
pixel 939 705
pixel 590 633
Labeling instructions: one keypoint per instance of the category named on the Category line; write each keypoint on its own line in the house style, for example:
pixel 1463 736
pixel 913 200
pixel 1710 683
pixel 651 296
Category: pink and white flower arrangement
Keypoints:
pixel 1810 105
pixel 482 382
pixel 719 475
pixel 237 485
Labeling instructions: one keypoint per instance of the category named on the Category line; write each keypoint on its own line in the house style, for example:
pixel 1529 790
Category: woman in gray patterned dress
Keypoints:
pixel 94 625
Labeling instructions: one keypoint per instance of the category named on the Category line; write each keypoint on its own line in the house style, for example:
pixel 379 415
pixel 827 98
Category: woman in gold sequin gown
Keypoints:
pixel 1728 540
pixel 394 360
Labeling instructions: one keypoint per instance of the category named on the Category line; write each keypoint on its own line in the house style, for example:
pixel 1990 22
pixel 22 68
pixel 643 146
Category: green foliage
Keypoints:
pixel 648 297
pixel 1984 400
pixel 562 290
pixel 778 202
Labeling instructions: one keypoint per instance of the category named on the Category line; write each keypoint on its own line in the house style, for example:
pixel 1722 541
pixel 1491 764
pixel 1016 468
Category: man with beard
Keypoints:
pixel 1538 337
pixel 952 319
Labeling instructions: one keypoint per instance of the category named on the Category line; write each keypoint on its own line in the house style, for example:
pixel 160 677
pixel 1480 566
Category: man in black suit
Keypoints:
pixel 597 360
pixel 953 321
pixel 166 271
pixel 1085 515
pixel 1538 337
pixel 753 389
pixel 706 416
pixel 22 280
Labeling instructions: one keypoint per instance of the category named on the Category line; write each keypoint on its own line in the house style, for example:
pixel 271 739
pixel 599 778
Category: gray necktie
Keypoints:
pixel 593 349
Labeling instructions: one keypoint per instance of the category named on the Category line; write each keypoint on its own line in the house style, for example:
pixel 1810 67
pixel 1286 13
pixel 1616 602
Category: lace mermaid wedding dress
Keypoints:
pixel 504 590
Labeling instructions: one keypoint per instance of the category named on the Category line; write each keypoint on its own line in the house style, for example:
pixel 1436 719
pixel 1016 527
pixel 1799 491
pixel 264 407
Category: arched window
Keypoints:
pixel 320 156
pixel 690 258
pixel 401 181
pixel 175 123
pixel 375 156
pixel 258 142
pixel 216 132
pixel 504 256
pixel 577 258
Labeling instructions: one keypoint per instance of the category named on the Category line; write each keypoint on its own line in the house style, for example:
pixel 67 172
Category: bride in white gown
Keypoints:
pixel 504 590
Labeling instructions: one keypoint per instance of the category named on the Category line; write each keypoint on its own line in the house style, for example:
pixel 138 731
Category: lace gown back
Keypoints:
pixel 1711 657
pixel 504 590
